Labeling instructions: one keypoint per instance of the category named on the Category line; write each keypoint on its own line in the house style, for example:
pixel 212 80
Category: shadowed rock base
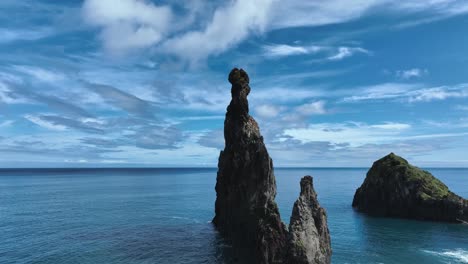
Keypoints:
pixel 246 212
pixel 395 188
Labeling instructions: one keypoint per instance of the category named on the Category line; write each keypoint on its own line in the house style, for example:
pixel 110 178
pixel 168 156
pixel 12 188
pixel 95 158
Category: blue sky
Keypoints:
pixel 144 83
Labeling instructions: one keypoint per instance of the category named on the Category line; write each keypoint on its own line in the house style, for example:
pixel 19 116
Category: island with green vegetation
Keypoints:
pixel 395 188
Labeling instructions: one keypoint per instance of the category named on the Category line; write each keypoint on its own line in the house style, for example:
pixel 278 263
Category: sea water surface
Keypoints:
pixel 163 216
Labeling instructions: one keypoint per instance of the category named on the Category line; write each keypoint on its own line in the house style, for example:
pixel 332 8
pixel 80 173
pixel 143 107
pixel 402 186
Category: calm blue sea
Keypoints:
pixel 163 216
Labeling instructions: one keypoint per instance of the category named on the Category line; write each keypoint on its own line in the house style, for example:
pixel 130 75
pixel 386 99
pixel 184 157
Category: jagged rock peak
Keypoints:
pixel 307 188
pixel 395 188
pixel 246 213
pixel 309 237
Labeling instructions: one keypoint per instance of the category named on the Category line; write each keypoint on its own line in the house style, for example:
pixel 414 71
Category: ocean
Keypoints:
pixel 163 216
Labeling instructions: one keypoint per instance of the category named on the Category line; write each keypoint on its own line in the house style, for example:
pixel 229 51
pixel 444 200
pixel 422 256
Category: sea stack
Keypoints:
pixel 395 188
pixel 308 226
pixel 246 213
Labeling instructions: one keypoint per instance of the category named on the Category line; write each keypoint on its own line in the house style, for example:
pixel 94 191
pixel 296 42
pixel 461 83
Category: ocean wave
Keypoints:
pixel 459 255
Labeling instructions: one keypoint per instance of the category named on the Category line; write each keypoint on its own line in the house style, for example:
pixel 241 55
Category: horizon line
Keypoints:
pixel 189 167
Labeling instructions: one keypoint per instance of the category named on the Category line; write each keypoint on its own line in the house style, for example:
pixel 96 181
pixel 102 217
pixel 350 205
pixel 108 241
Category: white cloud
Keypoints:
pixel 408 92
pixel 437 6
pixel 230 25
pixel 345 52
pixel 45 124
pixel 267 111
pixel 296 13
pixel 134 24
pixel 412 73
pixel 314 108
pixel 128 24
pixel 438 93
pixel 282 50
pixel 40 74
pixel 11 35
pixel 6 123
pixel 354 134
pixel 381 92
pixel 391 125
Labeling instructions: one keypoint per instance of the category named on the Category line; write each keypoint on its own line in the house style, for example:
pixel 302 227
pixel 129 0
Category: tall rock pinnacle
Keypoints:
pixel 246 211
pixel 245 208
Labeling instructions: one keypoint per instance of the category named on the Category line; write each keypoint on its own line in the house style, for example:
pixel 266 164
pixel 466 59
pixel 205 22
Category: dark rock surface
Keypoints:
pixel 395 188
pixel 246 212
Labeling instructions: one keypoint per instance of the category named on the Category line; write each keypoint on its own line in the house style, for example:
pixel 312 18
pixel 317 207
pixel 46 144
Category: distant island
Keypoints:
pixel 395 188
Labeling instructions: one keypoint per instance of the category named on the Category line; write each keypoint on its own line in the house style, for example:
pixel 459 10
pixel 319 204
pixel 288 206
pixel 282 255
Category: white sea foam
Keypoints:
pixel 458 255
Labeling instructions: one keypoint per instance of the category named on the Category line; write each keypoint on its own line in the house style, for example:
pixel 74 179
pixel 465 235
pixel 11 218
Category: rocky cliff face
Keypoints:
pixel 246 211
pixel 395 188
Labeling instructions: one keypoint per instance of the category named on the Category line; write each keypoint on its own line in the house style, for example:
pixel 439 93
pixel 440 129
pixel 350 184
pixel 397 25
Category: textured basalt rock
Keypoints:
pixel 308 226
pixel 246 211
pixel 395 188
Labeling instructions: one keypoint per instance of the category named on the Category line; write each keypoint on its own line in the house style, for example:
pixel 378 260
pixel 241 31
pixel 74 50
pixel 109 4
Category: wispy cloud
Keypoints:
pixel 267 111
pixel 438 93
pixel 55 122
pixel 298 115
pixel 40 73
pixel 8 35
pixel 352 133
pixel 316 13
pixel 14 93
pixel 334 53
pixel 212 139
pixel 381 92
pixel 6 123
pixel 283 50
pixel 345 52
pixel 313 108
pixel 411 73
pixel 408 92
pixel 123 100
pixel 157 137
pixel 44 123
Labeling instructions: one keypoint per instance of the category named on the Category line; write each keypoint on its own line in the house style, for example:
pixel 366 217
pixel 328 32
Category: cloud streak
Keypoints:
pixel 345 52
pixel 411 73
pixel 283 50
pixel 408 92
pixel 123 100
